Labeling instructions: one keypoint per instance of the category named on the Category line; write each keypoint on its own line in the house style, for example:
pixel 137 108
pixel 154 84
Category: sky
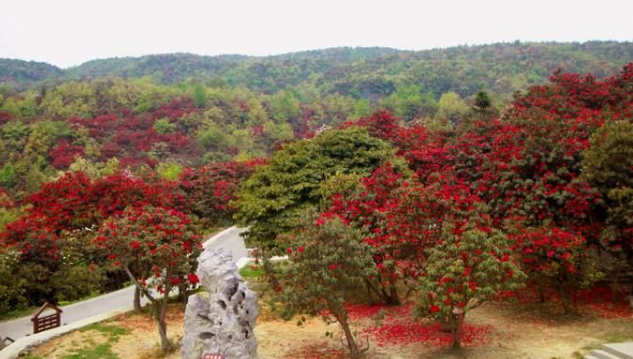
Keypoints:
pixel 69 32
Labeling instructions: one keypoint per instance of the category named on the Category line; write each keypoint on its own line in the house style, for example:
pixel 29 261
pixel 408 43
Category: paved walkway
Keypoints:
pixel 120 300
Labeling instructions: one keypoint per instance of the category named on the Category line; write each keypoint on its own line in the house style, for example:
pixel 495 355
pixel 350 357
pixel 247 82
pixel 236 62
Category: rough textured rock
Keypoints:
pixel 223 322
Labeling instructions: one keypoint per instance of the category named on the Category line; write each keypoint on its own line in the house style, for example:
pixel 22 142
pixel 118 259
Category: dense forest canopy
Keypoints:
pixel 358 72
pixel 181 110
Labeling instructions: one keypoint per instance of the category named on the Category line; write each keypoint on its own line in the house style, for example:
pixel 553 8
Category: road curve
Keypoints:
pixel 228 239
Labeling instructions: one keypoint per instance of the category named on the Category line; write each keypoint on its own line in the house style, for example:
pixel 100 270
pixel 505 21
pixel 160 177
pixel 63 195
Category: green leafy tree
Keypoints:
pixel 608 167
pixel 272 200
pixel 285 107
pixel 199 93
pixel 164 126
pixel 328 265
pixel 463 271
pixel 482 103
pixel 169 171
pixel 451 107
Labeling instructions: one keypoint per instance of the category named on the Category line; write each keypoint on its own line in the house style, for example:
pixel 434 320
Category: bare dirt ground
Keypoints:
pixel 533 331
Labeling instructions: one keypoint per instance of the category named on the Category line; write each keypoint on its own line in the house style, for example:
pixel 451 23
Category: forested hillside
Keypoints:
pixel 358 72
pixel 170 112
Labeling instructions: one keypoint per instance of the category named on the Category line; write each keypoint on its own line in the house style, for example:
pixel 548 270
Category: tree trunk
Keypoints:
pixel 390 298
pixel 351 342
pixel 371 289
pixel 165 345
pixel 541 293
pixel 137 299
pixel 393 293
pixel 564 298
pixel 160 312
pixel 456 340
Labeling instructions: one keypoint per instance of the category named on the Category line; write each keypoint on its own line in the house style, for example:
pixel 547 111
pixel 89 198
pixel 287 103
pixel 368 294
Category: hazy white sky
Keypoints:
pixel 67 32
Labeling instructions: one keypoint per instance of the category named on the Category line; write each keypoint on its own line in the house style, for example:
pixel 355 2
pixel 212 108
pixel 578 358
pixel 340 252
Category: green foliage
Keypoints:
pixel 8 215
pixel 284 106
pixel 8 176
pixel 328 265
pixel 410 102
pixel 481 103
pixel 608 167
pixel 169 171
pixel 164 126
pixel 94 170
pixel 14 134
pixel 274 198
pixel 463 271
pixel 451 107
pixel 214 139
pixel 251 271
pixel 199 94
pixel 12 288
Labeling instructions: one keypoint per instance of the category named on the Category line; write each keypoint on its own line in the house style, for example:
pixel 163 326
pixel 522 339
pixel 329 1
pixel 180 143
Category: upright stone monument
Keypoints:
pixel 222 322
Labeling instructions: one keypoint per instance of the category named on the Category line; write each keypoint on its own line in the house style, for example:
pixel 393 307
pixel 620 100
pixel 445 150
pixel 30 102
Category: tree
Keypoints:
pixel 558 259
pixel 451 107
pixel 210 189
pixel 328 265
pixel 164 126
pixel 272 200
pixel 608 167
pixel 368 207
pixel 481 103
pixel 199 93
pixel 465 270
pixel 160 240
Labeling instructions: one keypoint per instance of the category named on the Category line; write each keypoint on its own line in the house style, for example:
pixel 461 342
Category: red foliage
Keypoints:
pixel 76 202
pixel 426 154
pixel 5 199
pixel 408 332
pixel 64 154
pixel 209 189
pixel 545 249
pixel 33 239
pixel 133 137
pixel 4 117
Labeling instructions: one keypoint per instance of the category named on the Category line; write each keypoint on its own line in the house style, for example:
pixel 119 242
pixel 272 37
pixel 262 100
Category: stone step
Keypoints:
pixel 620 350
pixel 601 354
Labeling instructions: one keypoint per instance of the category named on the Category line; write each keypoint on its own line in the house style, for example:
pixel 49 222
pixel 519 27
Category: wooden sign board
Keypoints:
pixel 47 322
pixel 213 356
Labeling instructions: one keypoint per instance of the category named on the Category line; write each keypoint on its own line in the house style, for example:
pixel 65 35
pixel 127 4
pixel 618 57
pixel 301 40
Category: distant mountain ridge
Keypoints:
pixel 363 72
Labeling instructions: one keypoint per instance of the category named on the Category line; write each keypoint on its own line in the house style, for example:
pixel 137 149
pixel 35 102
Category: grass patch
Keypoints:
pixel 17 313
pixel 90 349
pixel 112 331
pixel 251 271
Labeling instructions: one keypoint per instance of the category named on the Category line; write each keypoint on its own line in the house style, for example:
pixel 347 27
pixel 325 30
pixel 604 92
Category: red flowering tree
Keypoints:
pixel 328 264
pixel 464 270
pixel 425 152
pixel 159 239
pixel 210 189
pixel 403 219
pixel 70 208
pixel 65 154
pixel 558 259
pixel 368 208
pixel 76 202
pixel 50 265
